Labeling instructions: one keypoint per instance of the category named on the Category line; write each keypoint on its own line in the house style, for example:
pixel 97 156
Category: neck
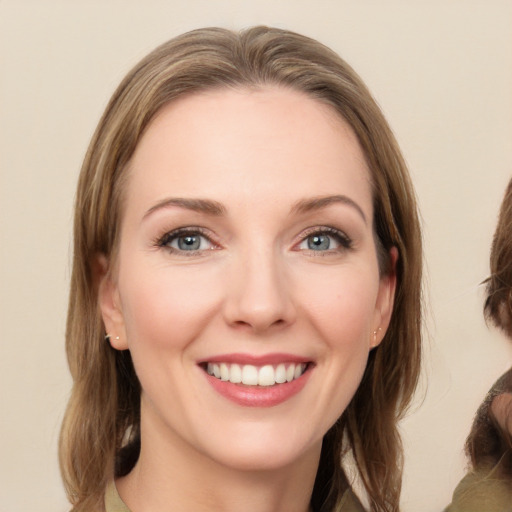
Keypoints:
pixel 174 476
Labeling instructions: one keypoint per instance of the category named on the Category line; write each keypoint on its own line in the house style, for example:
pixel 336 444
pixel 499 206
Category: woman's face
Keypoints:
pixel 247 287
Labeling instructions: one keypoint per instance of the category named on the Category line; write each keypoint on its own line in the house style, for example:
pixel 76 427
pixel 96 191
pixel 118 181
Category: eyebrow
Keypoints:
pixel 317 203
pixel 216 209
pixel 206 206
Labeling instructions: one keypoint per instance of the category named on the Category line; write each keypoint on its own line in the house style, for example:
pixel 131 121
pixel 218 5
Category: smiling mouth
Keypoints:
pixel 252 375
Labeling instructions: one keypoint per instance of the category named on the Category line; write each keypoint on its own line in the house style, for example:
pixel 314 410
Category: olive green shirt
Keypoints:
pixel 487 489
pixel 482 492
pixel 114 503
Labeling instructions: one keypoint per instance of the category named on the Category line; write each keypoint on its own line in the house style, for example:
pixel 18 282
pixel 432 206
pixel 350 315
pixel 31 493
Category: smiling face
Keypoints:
pixel 247 286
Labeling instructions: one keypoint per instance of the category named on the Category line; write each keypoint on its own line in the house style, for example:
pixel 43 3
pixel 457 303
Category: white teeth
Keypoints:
pixel 281 373
pixel 251 375
pixel 236 374
pixel 224 371
pixel 266 376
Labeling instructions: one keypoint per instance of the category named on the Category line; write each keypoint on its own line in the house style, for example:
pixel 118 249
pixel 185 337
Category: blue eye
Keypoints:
pixel 319 242
pixel 325 240
pixel 186 241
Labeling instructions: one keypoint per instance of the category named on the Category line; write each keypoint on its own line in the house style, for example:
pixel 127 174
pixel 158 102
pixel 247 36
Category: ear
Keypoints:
pixel 109 303
pixel 385 300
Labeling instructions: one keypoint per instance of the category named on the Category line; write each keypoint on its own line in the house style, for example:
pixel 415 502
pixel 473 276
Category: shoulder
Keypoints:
pixel 482 490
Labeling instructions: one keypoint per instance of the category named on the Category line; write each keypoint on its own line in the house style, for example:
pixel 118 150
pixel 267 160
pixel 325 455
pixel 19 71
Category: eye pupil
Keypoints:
pixel 189 242
pixel 318 242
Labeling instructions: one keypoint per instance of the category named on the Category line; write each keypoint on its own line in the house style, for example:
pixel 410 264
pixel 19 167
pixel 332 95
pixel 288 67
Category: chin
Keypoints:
pixel 263 453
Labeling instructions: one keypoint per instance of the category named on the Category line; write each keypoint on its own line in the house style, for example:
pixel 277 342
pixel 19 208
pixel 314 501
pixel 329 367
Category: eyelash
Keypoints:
pixel 345 243
pixel 341 238
pixel 165 240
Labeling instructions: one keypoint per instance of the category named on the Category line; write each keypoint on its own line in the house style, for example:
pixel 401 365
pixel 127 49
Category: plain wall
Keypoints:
pixel 442 72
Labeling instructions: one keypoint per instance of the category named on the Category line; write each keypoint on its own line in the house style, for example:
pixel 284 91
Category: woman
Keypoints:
pixel 245 300
pixel 488 486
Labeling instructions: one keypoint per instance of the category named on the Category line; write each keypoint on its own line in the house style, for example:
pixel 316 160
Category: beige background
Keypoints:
pixel 442 72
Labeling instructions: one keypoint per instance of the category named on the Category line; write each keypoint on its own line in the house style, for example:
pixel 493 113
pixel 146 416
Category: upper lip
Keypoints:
pixel 256 360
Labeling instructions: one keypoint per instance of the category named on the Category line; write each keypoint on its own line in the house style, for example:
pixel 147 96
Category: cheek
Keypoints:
pixel 341 312
pixel 342 305
pixel 166 307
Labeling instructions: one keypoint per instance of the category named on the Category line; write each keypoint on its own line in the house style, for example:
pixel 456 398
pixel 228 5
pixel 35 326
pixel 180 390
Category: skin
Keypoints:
pixel 255 286
pixel 501 408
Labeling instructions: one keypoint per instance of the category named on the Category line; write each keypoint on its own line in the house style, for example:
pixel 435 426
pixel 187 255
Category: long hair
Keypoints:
pixel 498 302
pixel 101 431
pixel 488 444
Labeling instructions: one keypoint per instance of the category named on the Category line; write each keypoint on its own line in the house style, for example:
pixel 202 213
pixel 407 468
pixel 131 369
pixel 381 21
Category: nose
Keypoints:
pixel 259 293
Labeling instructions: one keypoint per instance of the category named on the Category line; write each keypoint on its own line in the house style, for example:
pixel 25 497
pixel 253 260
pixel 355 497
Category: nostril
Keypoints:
pixel 259 324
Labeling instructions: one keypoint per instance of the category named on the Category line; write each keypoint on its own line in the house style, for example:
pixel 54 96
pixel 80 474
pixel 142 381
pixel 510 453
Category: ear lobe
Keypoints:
pixel 110 304
pixel 385 300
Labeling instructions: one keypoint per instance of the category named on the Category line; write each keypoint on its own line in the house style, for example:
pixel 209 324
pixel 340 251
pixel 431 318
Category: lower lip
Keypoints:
pixel 259 396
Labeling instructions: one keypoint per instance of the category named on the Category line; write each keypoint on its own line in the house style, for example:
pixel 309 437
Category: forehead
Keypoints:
pixel 252 141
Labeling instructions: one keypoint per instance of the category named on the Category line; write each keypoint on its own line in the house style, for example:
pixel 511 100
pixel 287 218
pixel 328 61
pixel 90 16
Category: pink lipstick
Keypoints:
pixel 257 381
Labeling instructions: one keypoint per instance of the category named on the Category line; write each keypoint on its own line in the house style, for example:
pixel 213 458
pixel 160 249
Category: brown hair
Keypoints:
pixel 488 444
pixel 498 303
pixel 100 434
